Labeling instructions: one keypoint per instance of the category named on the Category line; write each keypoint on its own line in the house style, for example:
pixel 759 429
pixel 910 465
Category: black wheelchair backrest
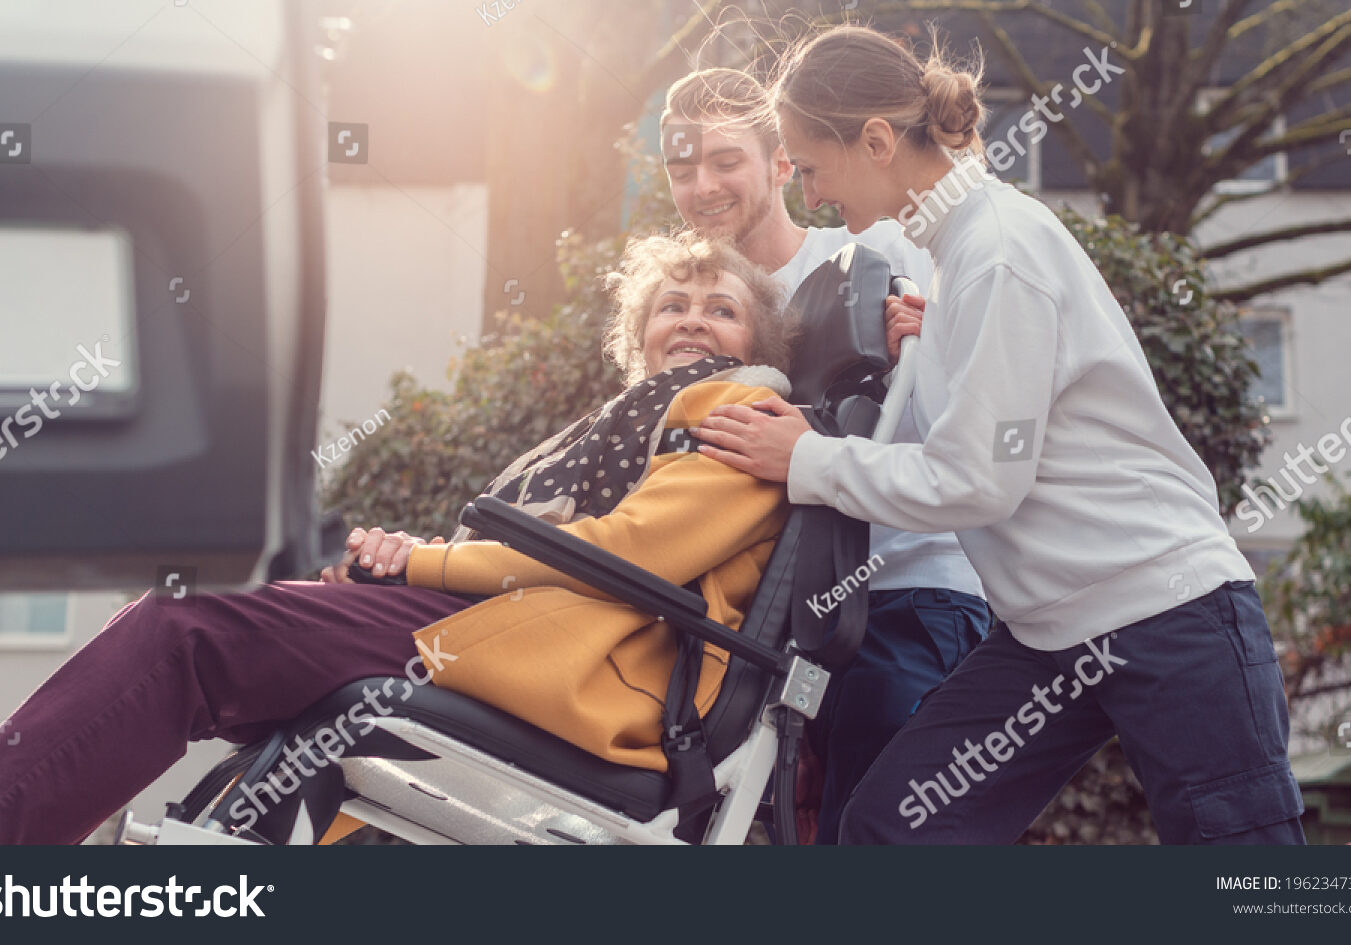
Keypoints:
pixel 839 359
pixel 842 337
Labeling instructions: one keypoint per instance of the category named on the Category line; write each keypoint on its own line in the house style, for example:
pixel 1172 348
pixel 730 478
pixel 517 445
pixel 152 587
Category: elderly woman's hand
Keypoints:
pixel 382 553
pixel 758 441
pixel 904 316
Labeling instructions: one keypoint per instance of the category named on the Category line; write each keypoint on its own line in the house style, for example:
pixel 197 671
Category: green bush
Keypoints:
pixel 1307 595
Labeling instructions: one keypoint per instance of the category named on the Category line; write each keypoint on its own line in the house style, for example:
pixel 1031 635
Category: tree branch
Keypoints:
pixel 1321 690
pixel 1224 200
pixel 1306 134
pixel 1003 6
pixel 1220 202
pixel 1099 15
pixel 1200 61
pixel 1274 236
pixel 1302 277
pixel 1260 17
pixel 1271 69
pixel 1245 149
pixel 1331 80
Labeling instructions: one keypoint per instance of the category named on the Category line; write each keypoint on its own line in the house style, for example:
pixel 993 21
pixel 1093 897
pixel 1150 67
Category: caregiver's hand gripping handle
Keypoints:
pixel 902 378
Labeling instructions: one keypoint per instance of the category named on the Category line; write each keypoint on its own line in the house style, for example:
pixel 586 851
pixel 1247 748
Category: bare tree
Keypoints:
pixel 1164 161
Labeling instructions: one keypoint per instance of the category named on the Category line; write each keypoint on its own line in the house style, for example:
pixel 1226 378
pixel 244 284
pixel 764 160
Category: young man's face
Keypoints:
pixel 732 189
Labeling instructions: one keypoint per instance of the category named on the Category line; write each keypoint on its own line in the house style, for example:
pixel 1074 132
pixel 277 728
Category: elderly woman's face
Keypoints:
pixel 697 319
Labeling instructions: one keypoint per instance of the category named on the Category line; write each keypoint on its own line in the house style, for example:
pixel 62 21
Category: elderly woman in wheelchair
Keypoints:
pixel 622 666
pixel 547 648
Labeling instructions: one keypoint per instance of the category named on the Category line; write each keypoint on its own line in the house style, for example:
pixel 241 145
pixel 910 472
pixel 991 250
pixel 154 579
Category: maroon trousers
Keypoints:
pixel 164 672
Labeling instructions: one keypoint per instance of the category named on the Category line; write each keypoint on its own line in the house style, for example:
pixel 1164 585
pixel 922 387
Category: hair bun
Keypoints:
pixel 951 104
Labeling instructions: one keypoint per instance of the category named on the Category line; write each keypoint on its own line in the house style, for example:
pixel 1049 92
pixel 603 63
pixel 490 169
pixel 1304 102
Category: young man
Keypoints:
pixel 727 171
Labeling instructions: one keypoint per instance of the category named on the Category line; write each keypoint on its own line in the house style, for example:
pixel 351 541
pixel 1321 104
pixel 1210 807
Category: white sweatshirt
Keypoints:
pixel 909 559
pixel 1046 446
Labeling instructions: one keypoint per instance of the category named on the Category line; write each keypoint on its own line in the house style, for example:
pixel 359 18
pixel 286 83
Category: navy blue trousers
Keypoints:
pixel 915 638
pixel 1194 693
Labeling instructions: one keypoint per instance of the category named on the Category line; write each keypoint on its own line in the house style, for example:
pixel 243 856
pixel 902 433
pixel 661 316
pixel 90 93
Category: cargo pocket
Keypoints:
pixel 1253 631
pixel 1241 802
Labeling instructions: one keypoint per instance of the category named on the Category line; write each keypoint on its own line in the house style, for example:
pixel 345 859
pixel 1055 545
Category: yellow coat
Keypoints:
pixel 567 658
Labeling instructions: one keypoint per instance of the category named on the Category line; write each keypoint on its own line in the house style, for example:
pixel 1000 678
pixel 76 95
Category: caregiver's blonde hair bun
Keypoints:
pixel 952 105
pixel 833 83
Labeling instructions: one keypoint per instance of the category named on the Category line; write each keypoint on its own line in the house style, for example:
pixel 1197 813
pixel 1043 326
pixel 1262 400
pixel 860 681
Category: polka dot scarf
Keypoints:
pixel 588 468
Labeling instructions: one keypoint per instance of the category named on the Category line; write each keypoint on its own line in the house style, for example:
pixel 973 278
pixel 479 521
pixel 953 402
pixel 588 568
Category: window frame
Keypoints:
pixel 32 641
pixel 1205 99
pixel 1282 315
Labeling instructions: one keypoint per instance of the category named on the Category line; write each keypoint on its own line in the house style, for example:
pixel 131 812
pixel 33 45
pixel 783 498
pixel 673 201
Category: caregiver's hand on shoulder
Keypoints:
pixel 384 554
pixel 752 440
pixel 904 316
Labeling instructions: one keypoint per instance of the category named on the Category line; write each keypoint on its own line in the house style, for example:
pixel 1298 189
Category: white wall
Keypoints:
pixel 405 290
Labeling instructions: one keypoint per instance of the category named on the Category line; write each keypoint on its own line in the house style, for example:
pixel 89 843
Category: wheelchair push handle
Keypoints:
pixel 901 380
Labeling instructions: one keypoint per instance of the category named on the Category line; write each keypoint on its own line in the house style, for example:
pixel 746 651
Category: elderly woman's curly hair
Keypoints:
pixel 650 261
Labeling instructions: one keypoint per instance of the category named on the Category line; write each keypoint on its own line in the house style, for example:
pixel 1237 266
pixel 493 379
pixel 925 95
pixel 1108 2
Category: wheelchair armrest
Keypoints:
pixel 611 574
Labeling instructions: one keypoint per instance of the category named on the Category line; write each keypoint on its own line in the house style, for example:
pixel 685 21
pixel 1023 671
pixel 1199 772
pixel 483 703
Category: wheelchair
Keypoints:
pixel 444 768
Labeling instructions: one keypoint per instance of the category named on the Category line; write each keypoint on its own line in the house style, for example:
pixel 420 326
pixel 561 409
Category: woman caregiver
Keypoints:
pixel 1126 608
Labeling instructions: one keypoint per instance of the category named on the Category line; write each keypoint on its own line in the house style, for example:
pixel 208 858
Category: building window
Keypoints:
pixel 1268 332
pixel 1266 173
pixel 34 621
pixel 1012 136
